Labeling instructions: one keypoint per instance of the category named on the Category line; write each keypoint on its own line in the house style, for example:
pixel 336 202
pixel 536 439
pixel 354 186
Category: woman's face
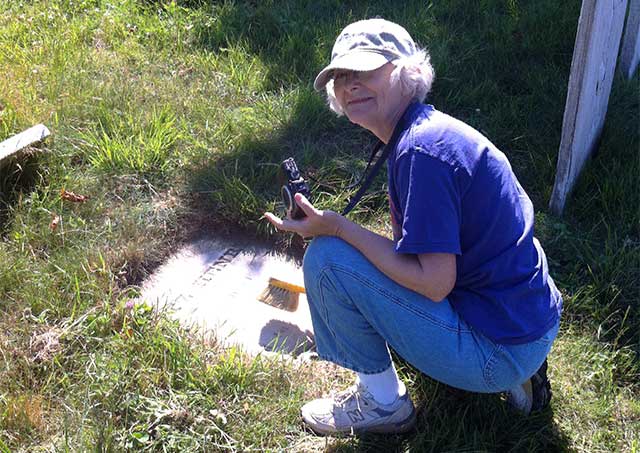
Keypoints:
pixel 368 98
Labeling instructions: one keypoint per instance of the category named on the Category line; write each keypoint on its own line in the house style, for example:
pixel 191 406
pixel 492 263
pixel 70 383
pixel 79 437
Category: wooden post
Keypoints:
pixel 592 69
pixel 630 52
pixel 20 141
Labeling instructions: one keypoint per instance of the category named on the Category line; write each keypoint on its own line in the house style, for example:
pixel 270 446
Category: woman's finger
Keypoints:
pixel 305 204
pixel 274 220
pixel 281 224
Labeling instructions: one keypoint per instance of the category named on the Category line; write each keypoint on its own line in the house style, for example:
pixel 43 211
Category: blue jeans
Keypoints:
pixel 357 312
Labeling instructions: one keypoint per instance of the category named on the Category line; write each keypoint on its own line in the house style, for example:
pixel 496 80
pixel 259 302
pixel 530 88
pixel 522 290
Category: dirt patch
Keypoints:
pixel 24 414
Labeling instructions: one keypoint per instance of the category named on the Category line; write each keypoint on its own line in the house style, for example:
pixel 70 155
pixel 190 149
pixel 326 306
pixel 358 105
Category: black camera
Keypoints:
pixel 295 184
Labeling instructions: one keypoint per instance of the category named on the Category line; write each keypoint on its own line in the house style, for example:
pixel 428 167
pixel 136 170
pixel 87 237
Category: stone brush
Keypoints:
pixel 281 294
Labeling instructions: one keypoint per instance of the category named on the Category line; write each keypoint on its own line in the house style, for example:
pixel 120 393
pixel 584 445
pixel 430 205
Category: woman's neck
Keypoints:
pixel 384 131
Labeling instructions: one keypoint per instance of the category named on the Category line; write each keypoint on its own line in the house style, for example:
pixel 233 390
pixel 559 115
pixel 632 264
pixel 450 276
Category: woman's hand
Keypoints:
pixel 316 223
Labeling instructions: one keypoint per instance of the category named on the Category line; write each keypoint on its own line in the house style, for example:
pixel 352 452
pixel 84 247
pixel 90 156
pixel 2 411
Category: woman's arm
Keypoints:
pixel 430 274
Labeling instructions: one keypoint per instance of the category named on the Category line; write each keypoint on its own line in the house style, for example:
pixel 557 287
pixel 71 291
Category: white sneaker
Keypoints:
pixel 354 411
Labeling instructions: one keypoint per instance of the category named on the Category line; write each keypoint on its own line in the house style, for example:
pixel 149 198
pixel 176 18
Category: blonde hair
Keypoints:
pixel 414 74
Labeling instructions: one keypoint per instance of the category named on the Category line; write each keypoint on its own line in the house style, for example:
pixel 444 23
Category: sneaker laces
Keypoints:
pixel 343 398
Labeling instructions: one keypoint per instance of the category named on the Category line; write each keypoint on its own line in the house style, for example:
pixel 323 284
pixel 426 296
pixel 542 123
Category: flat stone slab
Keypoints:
pixel 214 285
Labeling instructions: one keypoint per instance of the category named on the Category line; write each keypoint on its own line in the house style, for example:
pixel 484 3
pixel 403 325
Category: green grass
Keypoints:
pixel 132 145
pixel 172 117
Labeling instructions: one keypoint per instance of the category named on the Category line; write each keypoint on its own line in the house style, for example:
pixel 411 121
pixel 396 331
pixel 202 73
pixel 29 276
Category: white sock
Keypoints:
pixel 385 387
pixel 521 397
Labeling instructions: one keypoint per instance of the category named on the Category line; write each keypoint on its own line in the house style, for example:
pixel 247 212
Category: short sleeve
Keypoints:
pixel 429 202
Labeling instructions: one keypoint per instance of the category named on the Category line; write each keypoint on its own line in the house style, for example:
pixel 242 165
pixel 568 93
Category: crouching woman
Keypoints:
pixel 462 292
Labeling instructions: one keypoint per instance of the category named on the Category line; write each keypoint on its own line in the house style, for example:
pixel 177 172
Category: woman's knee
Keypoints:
pixel 322 252
pixel 321 258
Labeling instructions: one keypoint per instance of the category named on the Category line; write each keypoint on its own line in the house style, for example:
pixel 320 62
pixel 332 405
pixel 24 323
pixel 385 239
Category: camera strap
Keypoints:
pixel 374 171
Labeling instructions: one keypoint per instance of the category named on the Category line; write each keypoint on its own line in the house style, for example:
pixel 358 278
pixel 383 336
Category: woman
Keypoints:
pixel 462 292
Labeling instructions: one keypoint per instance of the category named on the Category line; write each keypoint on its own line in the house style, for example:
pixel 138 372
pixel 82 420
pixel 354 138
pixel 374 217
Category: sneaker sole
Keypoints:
pixel 396 428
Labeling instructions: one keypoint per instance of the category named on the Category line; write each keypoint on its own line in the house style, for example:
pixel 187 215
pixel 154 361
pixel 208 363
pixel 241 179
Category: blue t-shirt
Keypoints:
pixel 452 191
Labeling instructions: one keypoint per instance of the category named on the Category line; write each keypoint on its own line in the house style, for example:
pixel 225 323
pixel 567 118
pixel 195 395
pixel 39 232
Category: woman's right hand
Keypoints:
pixel 316 223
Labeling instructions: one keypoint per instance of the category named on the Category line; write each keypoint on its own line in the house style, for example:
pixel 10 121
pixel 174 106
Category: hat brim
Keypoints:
pixel 361 60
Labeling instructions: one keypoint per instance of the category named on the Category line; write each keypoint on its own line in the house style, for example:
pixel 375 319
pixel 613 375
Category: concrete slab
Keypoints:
pixel 214 285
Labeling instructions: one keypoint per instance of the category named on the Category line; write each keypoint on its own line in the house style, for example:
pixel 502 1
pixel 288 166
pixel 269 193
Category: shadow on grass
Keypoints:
pixel 501 89
pixel 504 90
pixel 452 420
pixel 233 189
pixel 294 38
pixel 18 176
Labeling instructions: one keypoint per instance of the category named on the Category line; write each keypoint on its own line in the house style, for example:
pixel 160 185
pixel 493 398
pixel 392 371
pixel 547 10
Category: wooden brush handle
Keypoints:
pixel 286 285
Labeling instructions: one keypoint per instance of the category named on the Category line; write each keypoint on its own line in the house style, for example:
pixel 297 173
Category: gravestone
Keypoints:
pixel 213 285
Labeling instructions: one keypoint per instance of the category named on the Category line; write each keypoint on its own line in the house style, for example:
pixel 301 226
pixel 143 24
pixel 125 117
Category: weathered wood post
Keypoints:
pixel 592 69
pixel 12 145
pixel 630 52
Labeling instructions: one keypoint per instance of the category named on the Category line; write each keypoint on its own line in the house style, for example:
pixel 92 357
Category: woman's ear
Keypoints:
pixel 407 86
pixel 332 99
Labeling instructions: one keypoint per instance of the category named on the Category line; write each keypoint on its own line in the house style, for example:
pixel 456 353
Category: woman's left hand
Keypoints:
pixel 316 222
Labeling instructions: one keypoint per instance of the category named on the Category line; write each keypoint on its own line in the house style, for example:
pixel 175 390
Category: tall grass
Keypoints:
pixel 128 144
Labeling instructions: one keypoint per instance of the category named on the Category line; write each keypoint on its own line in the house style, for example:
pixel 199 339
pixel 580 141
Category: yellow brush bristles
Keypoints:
pixel 286 285
pixel 281 294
